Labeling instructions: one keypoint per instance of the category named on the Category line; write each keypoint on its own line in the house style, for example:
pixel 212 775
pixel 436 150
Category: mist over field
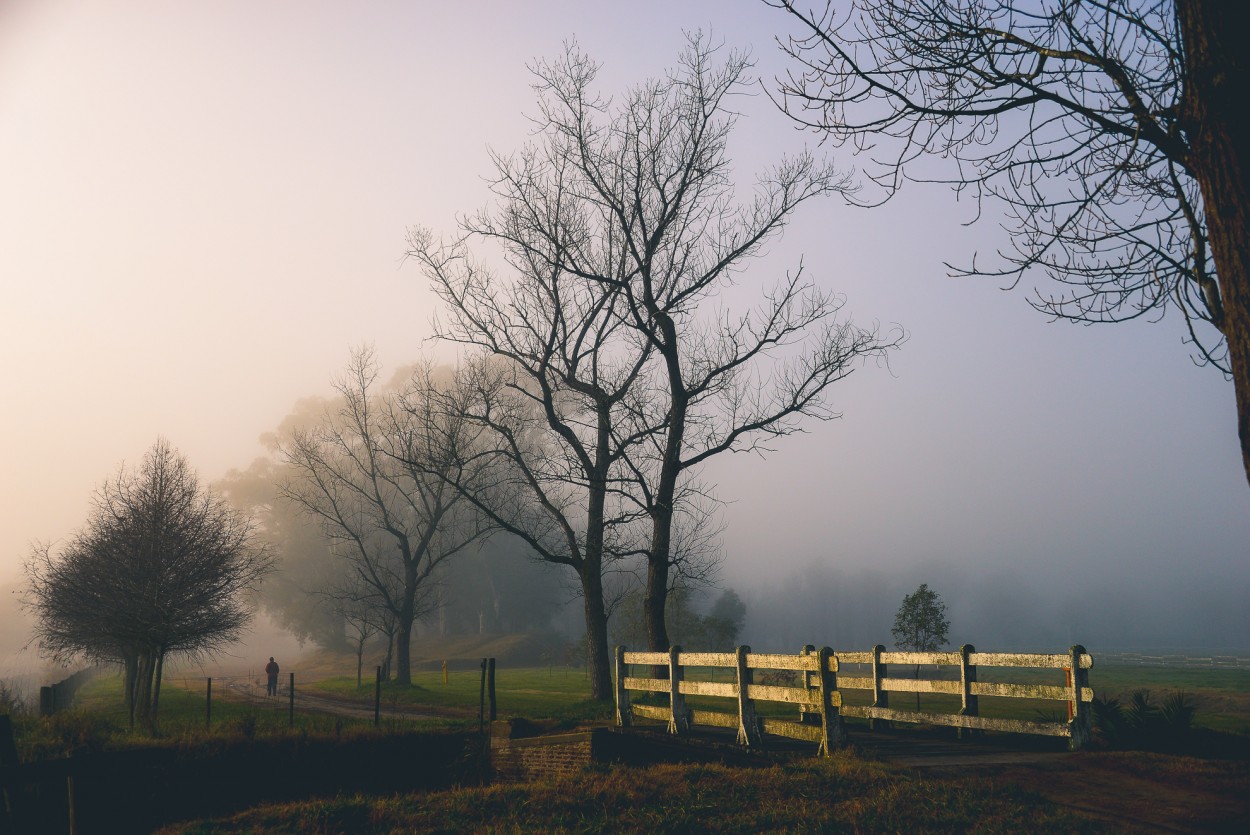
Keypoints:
pixel 206 209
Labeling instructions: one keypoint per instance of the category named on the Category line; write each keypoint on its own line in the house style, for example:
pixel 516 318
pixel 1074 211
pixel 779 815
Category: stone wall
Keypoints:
pixel 538 758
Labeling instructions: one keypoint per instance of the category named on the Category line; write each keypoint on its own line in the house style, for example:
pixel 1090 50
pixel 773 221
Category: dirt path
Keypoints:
pixel 1131 790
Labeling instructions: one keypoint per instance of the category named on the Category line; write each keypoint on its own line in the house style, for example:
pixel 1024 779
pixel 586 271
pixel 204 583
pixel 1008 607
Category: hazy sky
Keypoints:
pixel 203 207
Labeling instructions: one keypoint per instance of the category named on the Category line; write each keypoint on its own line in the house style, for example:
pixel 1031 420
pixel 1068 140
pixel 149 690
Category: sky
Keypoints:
pixel 203 208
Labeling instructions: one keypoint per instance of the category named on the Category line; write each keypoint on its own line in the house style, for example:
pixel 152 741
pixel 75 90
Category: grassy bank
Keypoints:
pixel 843 793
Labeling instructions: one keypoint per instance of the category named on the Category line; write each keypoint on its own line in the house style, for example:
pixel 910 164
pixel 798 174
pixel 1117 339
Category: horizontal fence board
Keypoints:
pixel 654 685
pixel 1026 659
pixel 854 683
pixel 714 718
pixel 651 712
pixel 920 685
pixel 921 658
pixel 954 720
pixel 1029 691
pixel 791 730
pixel 786 662
pixel 774 693
pixel 706 688
pixel 854 657
pixel 646 658
pixel 705 659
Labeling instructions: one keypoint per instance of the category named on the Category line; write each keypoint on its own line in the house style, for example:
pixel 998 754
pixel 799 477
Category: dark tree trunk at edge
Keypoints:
pixel 1212 32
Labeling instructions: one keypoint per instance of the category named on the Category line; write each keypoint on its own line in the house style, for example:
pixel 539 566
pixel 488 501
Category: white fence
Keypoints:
pixel 821 684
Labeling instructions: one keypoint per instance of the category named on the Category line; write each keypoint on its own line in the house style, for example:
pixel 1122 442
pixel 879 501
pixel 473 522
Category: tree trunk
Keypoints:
pixel 156 684
pixel 143 687
pixel 131 683
pixel 659 557
pixel 598 659
pixel 406 615
pixel 1216 93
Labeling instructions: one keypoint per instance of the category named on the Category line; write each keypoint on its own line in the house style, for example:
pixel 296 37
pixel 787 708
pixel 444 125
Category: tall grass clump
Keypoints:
pixel 1143 723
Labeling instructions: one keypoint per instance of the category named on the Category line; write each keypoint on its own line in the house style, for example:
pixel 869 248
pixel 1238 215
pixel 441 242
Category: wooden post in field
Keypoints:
pixel 880 696
pixel 291 708
pixel 481 701
pixel 208 703
pixel 748 725
pixel 831 734
pixel 11 794
pixel 967 677
pixel 69 800
pixel 377 699
pixel 624 716
pixel 490 688
pixel 678 716
pixel 1081 719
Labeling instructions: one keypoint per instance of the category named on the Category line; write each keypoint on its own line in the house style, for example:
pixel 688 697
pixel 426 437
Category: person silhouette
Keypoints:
pixel 271 670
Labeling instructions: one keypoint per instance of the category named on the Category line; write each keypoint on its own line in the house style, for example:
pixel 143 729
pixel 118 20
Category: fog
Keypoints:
pixel 205 207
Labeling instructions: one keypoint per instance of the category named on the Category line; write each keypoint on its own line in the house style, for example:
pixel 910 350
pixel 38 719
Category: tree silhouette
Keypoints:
pixel 1110 131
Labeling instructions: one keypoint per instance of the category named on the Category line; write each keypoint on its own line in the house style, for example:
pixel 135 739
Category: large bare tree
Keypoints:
pixel 1109 130
pixel 376 473
pixel 163 567
pixel 621 220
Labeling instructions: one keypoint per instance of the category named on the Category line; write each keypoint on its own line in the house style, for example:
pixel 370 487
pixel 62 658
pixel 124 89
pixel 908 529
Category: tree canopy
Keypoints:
pixel 1107 131
pixel 163 567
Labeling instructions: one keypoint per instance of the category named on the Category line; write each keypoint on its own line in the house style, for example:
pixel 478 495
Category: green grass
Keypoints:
pixel 559 693
pixel 98 721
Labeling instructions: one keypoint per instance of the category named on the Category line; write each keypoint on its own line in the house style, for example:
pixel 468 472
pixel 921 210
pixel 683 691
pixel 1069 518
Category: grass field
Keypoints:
pixel 560 693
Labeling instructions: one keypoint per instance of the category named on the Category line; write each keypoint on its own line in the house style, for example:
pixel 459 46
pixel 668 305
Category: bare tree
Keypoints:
pixel 1109 130
pixel 364 615
pixel 163 567
pixel 632 201
pixel 376 475
pixel 546 399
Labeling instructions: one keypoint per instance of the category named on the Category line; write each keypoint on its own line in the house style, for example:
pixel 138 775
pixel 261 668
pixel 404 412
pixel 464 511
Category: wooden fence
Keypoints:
pixel 819 685
pixel 54 698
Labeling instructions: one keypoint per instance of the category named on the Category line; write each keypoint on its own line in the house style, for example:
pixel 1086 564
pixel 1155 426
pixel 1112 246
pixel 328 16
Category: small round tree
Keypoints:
pixel 920 624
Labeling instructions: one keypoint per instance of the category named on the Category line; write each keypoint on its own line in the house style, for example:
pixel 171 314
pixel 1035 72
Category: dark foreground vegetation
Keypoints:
pixel 845 793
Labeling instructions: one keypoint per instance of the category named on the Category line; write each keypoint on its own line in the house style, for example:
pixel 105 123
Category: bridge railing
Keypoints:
pixel 822 684
pixel 817 696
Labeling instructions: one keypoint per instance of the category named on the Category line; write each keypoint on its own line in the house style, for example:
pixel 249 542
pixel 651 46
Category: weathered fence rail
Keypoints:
pixel 54 698
pixel 819 690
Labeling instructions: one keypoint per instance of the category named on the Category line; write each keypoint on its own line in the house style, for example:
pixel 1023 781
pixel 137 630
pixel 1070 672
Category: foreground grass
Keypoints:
pixel 843 793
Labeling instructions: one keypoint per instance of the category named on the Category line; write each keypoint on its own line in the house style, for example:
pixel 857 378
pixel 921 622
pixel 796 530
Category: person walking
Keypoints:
pixel 271 670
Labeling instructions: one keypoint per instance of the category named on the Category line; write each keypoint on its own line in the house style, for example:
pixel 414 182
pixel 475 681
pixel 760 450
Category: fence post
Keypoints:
pixel 678 716
pixel 808 716
pixel 481 701
pixel 490 688
pixel 1079 727
pixel 377 699
pixel 967 677
pixel 880 697
pixel 208 703
pixel 748 726
pixel 291 708
pixel 831 734
pixel 624 716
